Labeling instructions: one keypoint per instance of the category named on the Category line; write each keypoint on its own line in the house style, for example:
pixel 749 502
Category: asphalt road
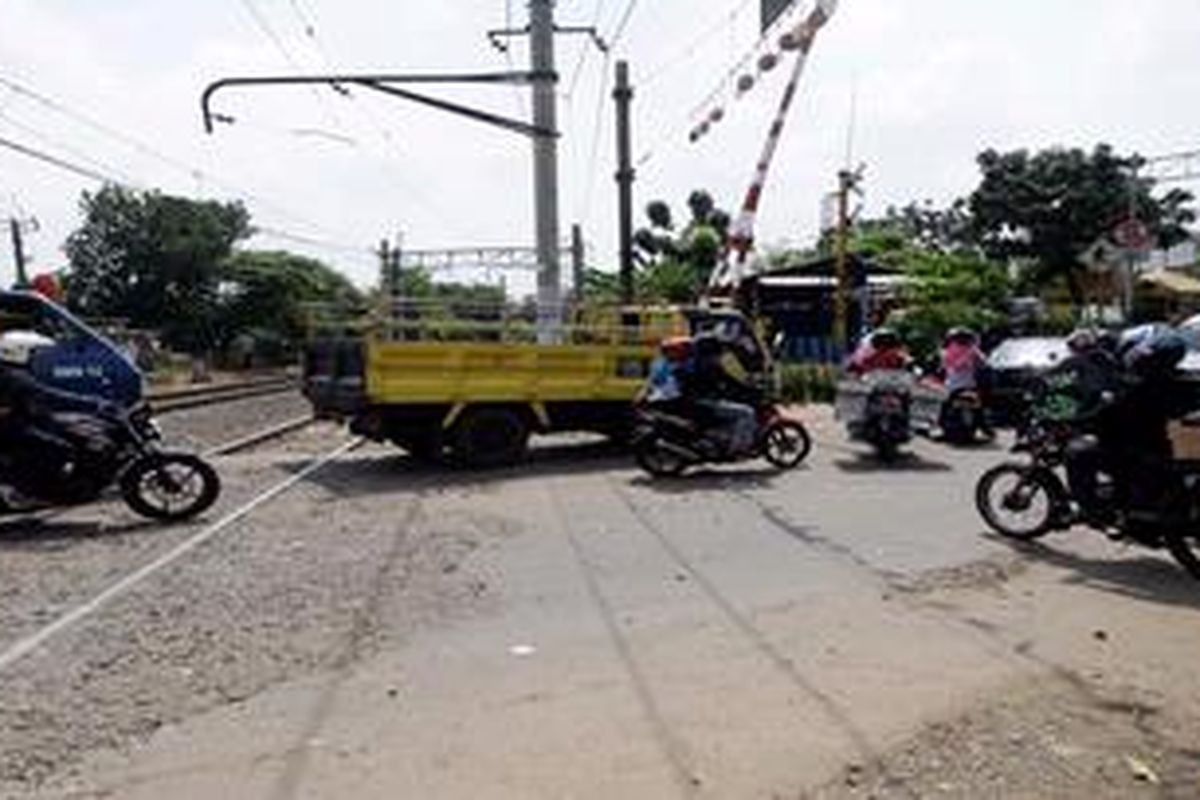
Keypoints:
pixel 570 628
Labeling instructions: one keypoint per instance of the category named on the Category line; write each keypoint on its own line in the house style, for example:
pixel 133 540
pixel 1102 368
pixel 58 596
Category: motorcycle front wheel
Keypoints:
pixel 786 444
pixel 659 461
pixel 1186 551
pixel 1016 501
pixel 170 486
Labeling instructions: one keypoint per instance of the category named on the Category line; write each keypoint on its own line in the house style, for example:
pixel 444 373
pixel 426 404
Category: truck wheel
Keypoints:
pixel 490 437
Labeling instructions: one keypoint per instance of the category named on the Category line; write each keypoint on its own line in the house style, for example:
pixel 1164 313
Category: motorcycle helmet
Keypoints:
pixel 885 339
pixel 677 348
pixel 18 347
pixel 1082 340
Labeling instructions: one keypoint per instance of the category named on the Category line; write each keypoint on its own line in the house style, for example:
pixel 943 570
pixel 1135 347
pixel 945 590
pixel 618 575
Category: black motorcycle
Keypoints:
pixel 82 455
pixel 665 444
pixel 1026 501
pixel 878 410
pixel 963 417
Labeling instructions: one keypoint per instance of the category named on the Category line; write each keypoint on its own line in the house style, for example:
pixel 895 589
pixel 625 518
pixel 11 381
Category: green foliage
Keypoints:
pixel 668 281
pixel 153 259
pixel 676 266
pixel 1051 206
pixel 267 295
pixel 948 290
pixel 807 383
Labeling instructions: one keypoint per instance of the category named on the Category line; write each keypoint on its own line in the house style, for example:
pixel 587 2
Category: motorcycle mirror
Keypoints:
pixel 777 342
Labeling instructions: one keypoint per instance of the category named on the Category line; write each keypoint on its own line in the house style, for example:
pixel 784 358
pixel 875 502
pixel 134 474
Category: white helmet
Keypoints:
pixel 17 347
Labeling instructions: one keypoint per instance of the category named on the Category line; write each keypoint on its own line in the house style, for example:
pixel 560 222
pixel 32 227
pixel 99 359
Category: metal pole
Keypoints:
pixel 1127 280
pixel 545 168
pixel 577 262
pixel 623 95
pixel 14 228
pixel 840 327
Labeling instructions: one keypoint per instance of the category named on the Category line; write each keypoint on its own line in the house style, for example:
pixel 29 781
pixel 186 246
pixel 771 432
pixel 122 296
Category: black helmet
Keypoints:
pixel 1083 340
pixel 884 338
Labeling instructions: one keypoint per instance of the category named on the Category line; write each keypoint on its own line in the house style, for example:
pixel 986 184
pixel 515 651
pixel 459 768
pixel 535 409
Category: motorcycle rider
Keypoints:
pixel 718 387
pixel 1119 404
pixel 668 373
pixel 882 350
pixel 28 427
pixel 963 366
pixel 962 360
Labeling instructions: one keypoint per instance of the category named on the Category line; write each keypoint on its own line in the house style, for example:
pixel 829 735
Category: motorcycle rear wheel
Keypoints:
pixel 887 450
pixel 1002 511
pixel 170 487
pixel 786 444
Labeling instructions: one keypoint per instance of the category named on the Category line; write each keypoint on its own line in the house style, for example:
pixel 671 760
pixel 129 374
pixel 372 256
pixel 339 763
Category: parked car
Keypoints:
pixel 1013 369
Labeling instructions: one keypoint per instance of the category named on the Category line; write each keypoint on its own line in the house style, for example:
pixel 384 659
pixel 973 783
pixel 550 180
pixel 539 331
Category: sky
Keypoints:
pixel 928 84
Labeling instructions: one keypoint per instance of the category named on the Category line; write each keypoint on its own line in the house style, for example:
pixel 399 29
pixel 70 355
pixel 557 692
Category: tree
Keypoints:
pixel 153 259
pixel 676 266
pixel 267 295
pixel 949 282
pixel 945 290
pixel 1050 207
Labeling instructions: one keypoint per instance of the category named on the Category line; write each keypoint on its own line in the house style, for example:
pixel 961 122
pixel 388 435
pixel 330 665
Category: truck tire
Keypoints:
pixel 489 437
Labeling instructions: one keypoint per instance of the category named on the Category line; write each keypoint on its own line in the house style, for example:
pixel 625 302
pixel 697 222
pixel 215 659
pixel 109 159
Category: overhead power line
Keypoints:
pixel 584 51
pixel 55 142
pixel 55 161
pixel 619 31
pixel 23 90
pixel 107 177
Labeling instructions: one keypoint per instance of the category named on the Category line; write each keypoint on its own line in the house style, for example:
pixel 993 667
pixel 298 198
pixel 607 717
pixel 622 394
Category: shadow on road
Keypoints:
pixel 1151 577
pixel 748 477
pixel 51 533
pixel 374 472
pixel 905 462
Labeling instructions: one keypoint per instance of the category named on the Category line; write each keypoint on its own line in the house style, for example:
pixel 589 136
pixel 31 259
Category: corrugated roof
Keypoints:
pixel 1171 281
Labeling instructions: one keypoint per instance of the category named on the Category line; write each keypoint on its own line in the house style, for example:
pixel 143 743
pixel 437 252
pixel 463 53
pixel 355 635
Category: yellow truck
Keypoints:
pixel 479 390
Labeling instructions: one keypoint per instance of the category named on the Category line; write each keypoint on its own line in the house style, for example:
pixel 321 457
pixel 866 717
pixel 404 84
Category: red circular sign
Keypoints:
pixel 1133 234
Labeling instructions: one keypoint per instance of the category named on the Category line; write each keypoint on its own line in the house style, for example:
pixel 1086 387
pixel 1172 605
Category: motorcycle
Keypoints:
pixel 89 453
pixel 667 444
pixel 963 417
pixel 880 408
pixel 1026 501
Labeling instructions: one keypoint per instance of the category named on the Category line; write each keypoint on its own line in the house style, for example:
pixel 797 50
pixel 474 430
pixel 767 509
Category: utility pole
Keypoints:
pixel 18 246
pixel 543 79
pixel 545 168
pixel 847 182
pixel 578 258
pixel 840 328
pixel 623 95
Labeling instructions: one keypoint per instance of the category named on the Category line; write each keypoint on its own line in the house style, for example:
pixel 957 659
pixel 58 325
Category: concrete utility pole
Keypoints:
pixel 578 259
pixel 846 181
pixel 545 168
pixel 18 246
pixel 623 95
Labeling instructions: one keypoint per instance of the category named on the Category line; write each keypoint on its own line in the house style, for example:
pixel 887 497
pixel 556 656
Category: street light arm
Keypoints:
pixel 381 82
pixel 515 125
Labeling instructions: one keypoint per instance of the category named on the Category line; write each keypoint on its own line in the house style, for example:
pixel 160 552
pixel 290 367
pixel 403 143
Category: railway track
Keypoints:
pixel 172 400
